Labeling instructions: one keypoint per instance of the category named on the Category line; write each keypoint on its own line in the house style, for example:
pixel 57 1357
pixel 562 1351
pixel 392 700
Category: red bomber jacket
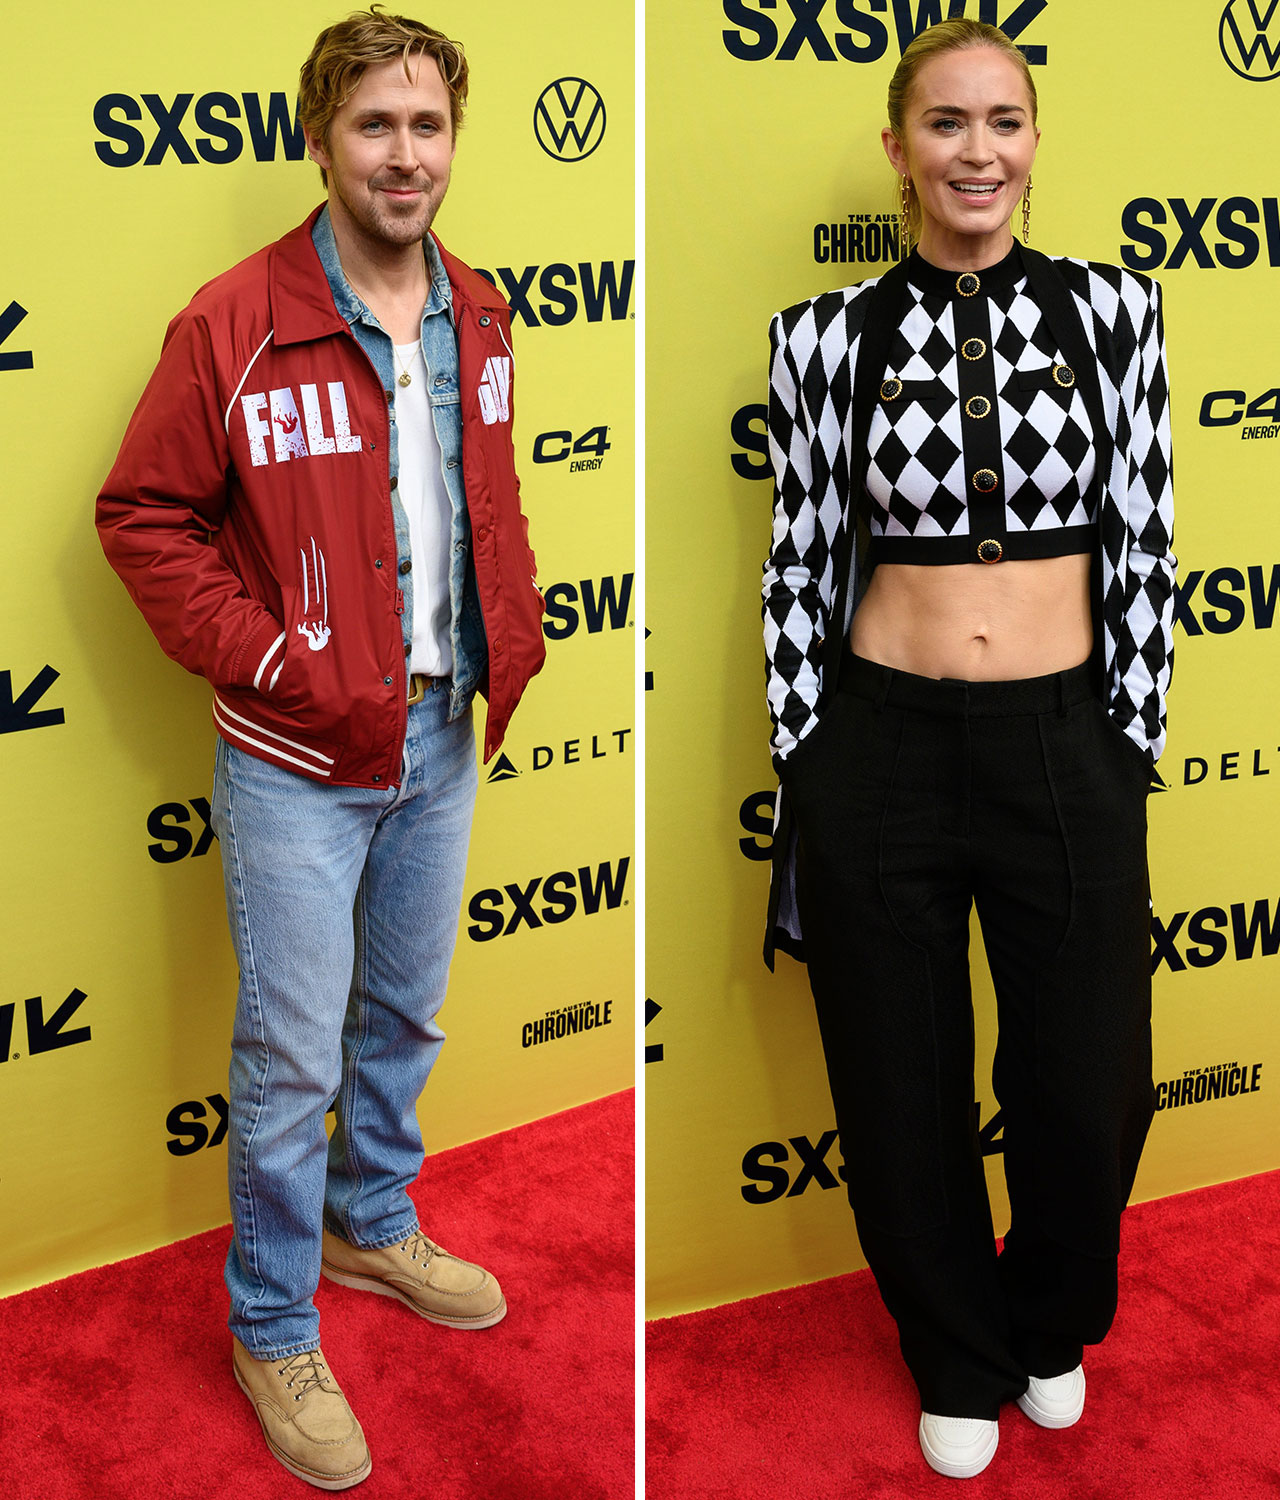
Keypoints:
pixel 205 521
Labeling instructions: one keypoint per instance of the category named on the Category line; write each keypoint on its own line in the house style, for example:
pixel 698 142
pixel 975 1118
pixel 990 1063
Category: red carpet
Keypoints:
pixel 118 1382
pixel 802 1395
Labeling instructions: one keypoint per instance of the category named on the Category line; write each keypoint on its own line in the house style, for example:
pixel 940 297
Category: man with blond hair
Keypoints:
pixel 315 507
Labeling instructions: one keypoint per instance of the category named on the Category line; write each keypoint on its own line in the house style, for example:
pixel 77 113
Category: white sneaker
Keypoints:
pixel 958 1447
pixel 1056 1402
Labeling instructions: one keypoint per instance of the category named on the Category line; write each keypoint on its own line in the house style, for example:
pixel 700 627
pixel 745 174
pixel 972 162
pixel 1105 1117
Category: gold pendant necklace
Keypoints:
pixel 405 378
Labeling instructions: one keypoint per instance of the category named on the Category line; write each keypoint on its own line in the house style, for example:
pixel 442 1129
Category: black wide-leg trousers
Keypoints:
pixel 915 801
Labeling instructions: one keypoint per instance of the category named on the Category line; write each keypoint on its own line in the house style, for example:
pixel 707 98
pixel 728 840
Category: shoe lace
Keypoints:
pixel 305 1369
pixel 418 1247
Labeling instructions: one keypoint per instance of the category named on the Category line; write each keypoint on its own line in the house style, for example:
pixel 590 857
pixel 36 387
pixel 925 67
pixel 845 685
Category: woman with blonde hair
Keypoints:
pixel 968 613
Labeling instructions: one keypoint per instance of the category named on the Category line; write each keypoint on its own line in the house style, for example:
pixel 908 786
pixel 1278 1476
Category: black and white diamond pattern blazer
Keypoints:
pixel 829 356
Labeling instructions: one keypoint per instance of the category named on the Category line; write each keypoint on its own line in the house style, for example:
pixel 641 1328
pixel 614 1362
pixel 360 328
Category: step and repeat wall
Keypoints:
pixel 150 147
pixel 767 184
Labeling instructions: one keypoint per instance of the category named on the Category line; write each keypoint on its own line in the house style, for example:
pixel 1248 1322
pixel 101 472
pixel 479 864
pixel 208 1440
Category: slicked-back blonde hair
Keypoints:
pixel 947 36
pixel 344 50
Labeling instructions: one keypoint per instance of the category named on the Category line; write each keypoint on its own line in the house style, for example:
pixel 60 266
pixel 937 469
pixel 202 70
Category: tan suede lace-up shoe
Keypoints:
pixel 305 1417
pixel 435 1284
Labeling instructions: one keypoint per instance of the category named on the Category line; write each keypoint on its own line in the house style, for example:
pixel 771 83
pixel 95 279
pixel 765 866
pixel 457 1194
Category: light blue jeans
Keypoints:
pixel 343 904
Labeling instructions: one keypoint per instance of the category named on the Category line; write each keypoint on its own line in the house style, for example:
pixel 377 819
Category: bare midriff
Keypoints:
pixel 977 622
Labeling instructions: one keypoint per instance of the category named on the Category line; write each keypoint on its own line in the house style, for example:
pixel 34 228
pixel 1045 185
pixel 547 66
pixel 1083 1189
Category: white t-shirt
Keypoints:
pixel 425 499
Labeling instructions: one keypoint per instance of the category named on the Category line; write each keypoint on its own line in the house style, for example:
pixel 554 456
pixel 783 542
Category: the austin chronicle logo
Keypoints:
pixel 569 119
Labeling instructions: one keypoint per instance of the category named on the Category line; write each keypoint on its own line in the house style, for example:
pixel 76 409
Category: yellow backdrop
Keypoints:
pixel 767 184
pixel 149 147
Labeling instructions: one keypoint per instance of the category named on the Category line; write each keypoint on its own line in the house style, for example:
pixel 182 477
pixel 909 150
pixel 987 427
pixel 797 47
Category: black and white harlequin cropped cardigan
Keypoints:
pixel 830 356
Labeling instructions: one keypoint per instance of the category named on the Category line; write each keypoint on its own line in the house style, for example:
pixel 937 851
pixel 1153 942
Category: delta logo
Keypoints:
pixel 575 752
pixel 547 900
pixel 212 134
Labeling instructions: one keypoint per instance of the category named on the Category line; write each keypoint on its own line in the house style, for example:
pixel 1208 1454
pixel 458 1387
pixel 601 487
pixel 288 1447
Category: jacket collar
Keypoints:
pixel 307 304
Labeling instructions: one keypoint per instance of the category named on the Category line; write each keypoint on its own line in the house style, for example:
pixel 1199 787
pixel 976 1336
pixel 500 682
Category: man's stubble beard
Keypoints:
pixel 380 222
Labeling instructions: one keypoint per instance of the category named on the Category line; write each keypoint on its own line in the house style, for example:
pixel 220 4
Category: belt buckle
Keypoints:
pixel 417 688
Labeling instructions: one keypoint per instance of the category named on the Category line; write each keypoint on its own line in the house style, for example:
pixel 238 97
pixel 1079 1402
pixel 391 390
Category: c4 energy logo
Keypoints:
pixel 1238 243
pixel 585 452
pixel 864 239
pixel 591 888
pixel 45 1033
pixel 1236 409
pixel 566 1020
pixel 273 132
pixel 1233 598
pixel 599 289
pixel 1249 35
pixel 1205 937
pixel 569 119
pixel 19 711
pixel 851 31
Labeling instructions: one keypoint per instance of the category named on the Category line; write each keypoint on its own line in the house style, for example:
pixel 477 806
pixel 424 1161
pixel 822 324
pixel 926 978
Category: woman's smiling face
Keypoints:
pixel 969 139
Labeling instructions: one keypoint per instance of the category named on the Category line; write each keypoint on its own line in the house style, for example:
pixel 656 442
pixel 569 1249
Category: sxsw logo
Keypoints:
pixel 564 753
pixel 273 131
pixel 187 1129
pixel 593 888
pixel 1249 36
pixel 755 817
pixel 1232 597
pixel 852 31
pixel 748 429
pixel 598 603
pixel 768 1165
pixel 175 836
pixel 569 119
pixel 600 289
pixel 1207 936
pixel 45 1032
pixel 1239 245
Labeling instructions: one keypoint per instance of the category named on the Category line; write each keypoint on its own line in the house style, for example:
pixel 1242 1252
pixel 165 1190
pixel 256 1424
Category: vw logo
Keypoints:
pixel 1249 35
pixel 569 119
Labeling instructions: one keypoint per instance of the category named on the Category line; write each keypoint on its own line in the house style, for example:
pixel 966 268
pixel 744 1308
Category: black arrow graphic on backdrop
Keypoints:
pixel 9 320
pixel 653 1050
pixel 16 713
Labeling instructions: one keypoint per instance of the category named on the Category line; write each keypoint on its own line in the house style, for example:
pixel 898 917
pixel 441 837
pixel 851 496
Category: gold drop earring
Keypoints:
pixel 1026 212
pixel 904 216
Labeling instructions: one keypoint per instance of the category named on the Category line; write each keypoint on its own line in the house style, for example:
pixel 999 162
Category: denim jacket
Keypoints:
pixel 440 350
